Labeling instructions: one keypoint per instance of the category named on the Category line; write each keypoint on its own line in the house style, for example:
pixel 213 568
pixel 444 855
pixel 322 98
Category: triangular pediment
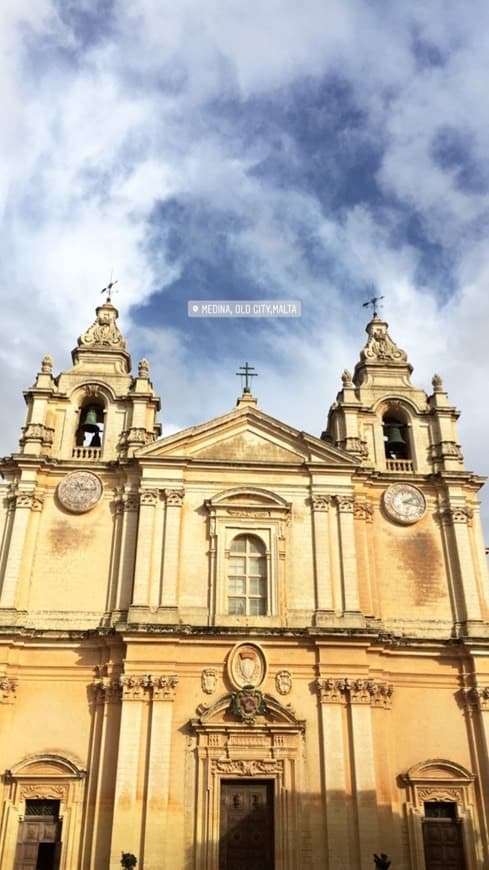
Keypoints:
pixel 247 435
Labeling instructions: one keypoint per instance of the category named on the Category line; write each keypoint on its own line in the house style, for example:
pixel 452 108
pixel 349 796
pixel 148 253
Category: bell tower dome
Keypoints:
pixel 96 410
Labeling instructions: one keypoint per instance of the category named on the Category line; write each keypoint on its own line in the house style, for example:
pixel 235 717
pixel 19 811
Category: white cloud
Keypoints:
pixel 100 130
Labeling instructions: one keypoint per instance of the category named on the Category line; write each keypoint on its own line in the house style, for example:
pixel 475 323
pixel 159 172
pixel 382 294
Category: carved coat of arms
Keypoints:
pixel 247 704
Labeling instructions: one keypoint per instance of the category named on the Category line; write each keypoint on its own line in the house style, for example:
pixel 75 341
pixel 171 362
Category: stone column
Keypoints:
pixel 157 854
pixel 169 589
pixel 22 505
pixel 144 551
pixel 339 818
pixel 324 591
pixel 348 560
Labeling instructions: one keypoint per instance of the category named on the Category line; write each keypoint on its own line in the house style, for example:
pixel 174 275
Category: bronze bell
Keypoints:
pixel 89 420
pixel 394 437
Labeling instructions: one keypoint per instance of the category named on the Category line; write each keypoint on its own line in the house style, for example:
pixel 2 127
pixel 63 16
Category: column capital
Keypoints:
pixel 354 691
pixel 320 502
pixel 345 503
pixel 478 697
pixel 174 497
pixel 147 686
pixel 8 688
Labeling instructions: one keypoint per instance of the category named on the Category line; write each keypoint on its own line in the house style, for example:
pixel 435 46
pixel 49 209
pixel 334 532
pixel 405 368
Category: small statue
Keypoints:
pixel 128 860
pixel 382 861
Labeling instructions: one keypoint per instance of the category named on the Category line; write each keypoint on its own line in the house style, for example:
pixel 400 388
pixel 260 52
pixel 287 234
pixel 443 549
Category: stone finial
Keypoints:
pixel 437 383
pixel 104 331
pixel 346 379
pixel 143 368
pixel 47 364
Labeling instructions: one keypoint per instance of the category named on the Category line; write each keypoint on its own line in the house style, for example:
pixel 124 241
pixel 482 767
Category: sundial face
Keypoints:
pixel 404 503
pixel 80 491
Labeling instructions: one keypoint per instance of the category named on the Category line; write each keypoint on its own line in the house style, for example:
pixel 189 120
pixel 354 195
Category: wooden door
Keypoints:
pixel 38 844
pixel 443 845
pixel 247 829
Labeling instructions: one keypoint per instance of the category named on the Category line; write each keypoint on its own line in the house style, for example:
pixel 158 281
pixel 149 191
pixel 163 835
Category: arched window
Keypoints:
pixel 396 439
pixel 247 577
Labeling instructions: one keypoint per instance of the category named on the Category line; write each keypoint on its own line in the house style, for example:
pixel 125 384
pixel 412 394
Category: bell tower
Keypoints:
pixel 96 410
pixel 389 424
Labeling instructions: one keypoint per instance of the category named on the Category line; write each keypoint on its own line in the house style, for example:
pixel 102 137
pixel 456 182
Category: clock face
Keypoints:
pixel 404 503
pixel 80 491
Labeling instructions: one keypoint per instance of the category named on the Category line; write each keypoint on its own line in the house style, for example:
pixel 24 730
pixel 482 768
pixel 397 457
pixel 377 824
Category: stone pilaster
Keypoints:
pixel 320 515
pixel 348 560
pixel 157 822
pixel 174 502
pixel 358 696
pixel 456 521
pixel 22 504
pixel 144 551
pixel 339 812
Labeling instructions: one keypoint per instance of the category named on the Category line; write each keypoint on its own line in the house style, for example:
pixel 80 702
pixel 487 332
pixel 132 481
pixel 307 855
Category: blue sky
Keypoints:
pixel 280 150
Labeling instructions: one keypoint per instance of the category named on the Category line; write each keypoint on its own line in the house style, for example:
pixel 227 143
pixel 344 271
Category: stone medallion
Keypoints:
pixel 247 665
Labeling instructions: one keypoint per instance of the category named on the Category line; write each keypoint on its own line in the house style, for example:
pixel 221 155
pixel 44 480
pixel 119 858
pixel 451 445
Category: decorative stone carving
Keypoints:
pixel 208 680
pixel 437 384
pixel 240 767
pixel 143 368
pixel 353 444
pixel 130 502
pixel 380 345
pixel 439 793
pixel 355 691
pixel 257 515
pixel 345 503
pixel 283 682
pixel 33 500
pixel 363 511
pixel 247 665
pixel 138 435
pixel 444 449
pixel 159 687
pixel 247 704
pixel 107 690
pixel 104 331
pixel 8 688
pixel 148 497
pixel 346 379
pixel 37 432
pixel 478 697
pixel 92 391
pixel 48 790
pixel 47 364
pixel 174 497
pixel 320 502
pixel 461 514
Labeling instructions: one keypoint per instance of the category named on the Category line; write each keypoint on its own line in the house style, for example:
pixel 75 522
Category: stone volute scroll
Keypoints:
pixel 104 330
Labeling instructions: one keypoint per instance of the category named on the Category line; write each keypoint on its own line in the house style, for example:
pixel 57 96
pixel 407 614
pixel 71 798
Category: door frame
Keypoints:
pixel 270 750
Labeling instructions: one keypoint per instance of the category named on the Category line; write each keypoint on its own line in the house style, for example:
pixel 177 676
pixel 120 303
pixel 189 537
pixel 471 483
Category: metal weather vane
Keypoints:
pixel 247 373
pixel 373 303
pixel 108 290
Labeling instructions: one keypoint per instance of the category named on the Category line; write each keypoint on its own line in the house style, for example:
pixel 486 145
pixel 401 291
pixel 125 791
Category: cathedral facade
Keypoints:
pixel 241 646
